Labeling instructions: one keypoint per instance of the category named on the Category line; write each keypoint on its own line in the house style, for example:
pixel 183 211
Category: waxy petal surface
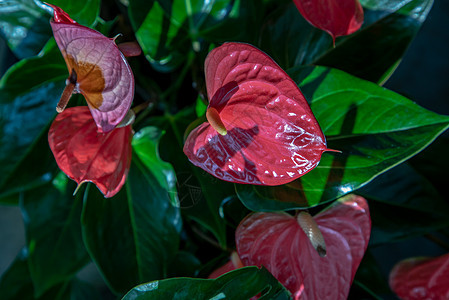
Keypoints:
pixel 103 74
pixel 84 154
pixel 272 136
pixel 336 17
pixel 276 241
pixel 421 278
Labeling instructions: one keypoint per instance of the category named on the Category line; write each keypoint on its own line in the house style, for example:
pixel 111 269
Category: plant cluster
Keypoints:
pixel 228 149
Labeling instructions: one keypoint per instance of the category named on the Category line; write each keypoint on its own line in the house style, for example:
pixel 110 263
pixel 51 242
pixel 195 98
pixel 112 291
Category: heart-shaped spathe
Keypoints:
pixel 97 69
pixel 261 129
pixel 277 242
pixel 86 155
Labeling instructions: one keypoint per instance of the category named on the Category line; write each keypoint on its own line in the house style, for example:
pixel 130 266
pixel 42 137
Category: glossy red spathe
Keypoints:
pixel 277 242
pixel 85 155
pixel 336 17
pixel 421 278
pixel 261 129
pixel 97 68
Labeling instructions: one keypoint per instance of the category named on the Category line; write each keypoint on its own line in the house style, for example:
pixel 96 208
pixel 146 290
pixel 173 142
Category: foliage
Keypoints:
pixel 170 224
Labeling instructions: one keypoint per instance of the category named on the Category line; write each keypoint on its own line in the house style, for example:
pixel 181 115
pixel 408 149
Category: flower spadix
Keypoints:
pixel 97 69
pixel 260 129
pixel 86 155
pixel 280 243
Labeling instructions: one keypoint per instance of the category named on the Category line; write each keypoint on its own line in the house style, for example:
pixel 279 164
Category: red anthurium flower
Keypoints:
pixel 260 129
pixel 336 17
pixel 232 264
pixel 309 269
pixel 97 69
pixel 84 154
pixel 421 278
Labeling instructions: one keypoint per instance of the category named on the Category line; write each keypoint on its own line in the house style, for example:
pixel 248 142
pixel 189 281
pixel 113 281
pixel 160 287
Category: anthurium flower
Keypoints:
pixel 232 264
pixel 336 17
pixel 260 129
pixel 421 278
pixel 97 68
pixel 86 155
pixel 280 243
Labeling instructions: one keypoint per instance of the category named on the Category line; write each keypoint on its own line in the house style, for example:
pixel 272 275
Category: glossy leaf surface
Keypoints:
pixel 146 145
pixel 85 155
pixel 404 205
pixel 421 278
pixel 352 114
pixel 200 194
pixel 53 236
pixel 337 18
pixel 27 90
pixel 372 53
pixel 103 75
pixel 135 234
pixel 272 136
pixel 239 284
pixel 168 31
pixel 277 242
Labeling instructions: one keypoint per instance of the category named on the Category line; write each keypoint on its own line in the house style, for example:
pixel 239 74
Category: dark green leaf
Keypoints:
pixel 156 223
pixel 200 194
pixel 29 92
pixel 16 284
pixel 25 27
pixel 146 145
pixel 53 236
pixel 403 205
pixel 374 128
pixel 371 53
pixel 168 30
pixel 243 283
pixel 109 238
pixel 135 234
pixel 369 280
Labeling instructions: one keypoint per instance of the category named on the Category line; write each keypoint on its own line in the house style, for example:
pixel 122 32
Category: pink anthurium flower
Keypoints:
pixel 421 278
pixel 86 155
pixel 310 264
pixel 260 129
pixel 336 17
pixel 97 68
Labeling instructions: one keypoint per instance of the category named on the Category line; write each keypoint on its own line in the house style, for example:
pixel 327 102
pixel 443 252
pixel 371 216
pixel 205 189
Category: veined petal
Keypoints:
pixel 85 155
pixel 103 74
pixel 271 136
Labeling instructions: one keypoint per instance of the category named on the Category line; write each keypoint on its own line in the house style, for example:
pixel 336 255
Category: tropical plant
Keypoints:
pixel 194 134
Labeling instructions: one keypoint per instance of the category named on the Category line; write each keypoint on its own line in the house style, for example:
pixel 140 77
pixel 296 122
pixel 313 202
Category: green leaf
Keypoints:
pixel 369 280
pixel 403 204
pixel 376 129
pixel 29 92
pixel 146 145
pixel 371 53
pixel 133 236
pixel 242 283
pixel 109 238
pixel 53 236
pixel 84 12
pixel 168 30
pixel 200 194
pixel 16 284
pixel 24 25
